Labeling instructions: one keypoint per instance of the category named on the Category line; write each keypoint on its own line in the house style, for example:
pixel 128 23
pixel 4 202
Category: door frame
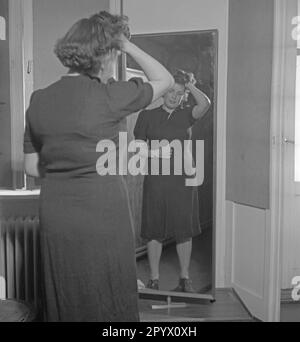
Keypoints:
pixel 288 165
pixel 277 157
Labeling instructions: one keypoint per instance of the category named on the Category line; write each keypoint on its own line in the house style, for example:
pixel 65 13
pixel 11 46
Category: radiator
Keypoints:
pixel 19 258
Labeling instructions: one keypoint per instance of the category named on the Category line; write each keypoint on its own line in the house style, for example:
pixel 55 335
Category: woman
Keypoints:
pixel 170 208
pixel 86 236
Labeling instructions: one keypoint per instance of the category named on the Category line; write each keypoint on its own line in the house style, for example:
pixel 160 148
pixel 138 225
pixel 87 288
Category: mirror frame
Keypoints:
pixel 180 296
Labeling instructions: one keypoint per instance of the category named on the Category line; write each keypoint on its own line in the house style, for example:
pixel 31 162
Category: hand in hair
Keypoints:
pixel 184 78
pixel 192 79
pixel 123 43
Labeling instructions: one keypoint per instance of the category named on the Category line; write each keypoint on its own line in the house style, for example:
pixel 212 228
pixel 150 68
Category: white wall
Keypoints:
pixel 51 20
pixel 158 16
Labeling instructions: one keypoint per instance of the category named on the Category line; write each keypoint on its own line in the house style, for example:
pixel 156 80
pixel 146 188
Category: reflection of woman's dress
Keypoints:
pixel 170 208
pixel 87 247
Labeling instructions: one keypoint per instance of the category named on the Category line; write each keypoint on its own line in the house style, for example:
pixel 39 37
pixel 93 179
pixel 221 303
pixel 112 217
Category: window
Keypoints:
pixel 15 89
pixel 28 40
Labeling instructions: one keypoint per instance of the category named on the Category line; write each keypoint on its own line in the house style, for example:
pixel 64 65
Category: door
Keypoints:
pixel 291 150
pixel 249 88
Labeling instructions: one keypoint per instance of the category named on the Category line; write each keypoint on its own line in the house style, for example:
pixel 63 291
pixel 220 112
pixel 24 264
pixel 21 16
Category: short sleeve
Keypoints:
pixel 30 144
pixel 125 98
pixel 140 129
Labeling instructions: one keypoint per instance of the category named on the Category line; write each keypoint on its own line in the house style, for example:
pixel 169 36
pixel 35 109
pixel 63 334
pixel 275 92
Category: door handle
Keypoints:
pixel 288 141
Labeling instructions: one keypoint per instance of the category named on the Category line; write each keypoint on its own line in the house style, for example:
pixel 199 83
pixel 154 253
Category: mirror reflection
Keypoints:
pixel 173 208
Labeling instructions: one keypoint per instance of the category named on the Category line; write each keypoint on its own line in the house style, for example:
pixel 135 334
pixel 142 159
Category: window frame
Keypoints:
pixel 21 84
pixel 296 155
pixel 21 88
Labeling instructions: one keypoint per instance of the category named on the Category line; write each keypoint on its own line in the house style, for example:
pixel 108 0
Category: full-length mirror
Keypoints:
pixel 174 222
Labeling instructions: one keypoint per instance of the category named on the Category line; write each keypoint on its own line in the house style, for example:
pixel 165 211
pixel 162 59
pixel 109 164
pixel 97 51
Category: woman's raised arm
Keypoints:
pixel 159 77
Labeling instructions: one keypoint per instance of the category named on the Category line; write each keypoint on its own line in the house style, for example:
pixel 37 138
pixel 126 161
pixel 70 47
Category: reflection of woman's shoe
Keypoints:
pixel 185 285
pixel 153 284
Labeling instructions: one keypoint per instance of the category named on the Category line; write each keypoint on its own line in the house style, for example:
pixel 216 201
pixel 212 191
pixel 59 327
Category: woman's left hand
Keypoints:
pixel 124 43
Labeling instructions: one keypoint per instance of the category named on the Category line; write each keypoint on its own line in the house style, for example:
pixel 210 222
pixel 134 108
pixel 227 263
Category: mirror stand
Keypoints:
pixel 181 298
pixel 169 305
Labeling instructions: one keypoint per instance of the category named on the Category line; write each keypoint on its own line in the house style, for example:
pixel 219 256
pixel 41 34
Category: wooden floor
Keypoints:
pixel 227 308
pixel 290 312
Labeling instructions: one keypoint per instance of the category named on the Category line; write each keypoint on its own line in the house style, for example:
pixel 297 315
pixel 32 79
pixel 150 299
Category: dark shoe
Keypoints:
pixel 185 285
pixel 153 284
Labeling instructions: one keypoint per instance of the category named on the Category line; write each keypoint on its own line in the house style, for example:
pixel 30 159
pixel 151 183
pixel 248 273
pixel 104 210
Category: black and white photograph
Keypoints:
pixel 149 163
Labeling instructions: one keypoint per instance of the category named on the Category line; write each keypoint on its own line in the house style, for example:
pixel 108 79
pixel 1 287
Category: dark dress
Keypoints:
pixel 87 245
pixel 170 208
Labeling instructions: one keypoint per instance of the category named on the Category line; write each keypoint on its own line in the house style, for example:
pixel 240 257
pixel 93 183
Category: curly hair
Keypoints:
pixel 181 77
pixel 83 47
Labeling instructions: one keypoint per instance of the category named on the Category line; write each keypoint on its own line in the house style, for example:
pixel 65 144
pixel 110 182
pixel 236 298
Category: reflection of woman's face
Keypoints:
pixel 174 96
